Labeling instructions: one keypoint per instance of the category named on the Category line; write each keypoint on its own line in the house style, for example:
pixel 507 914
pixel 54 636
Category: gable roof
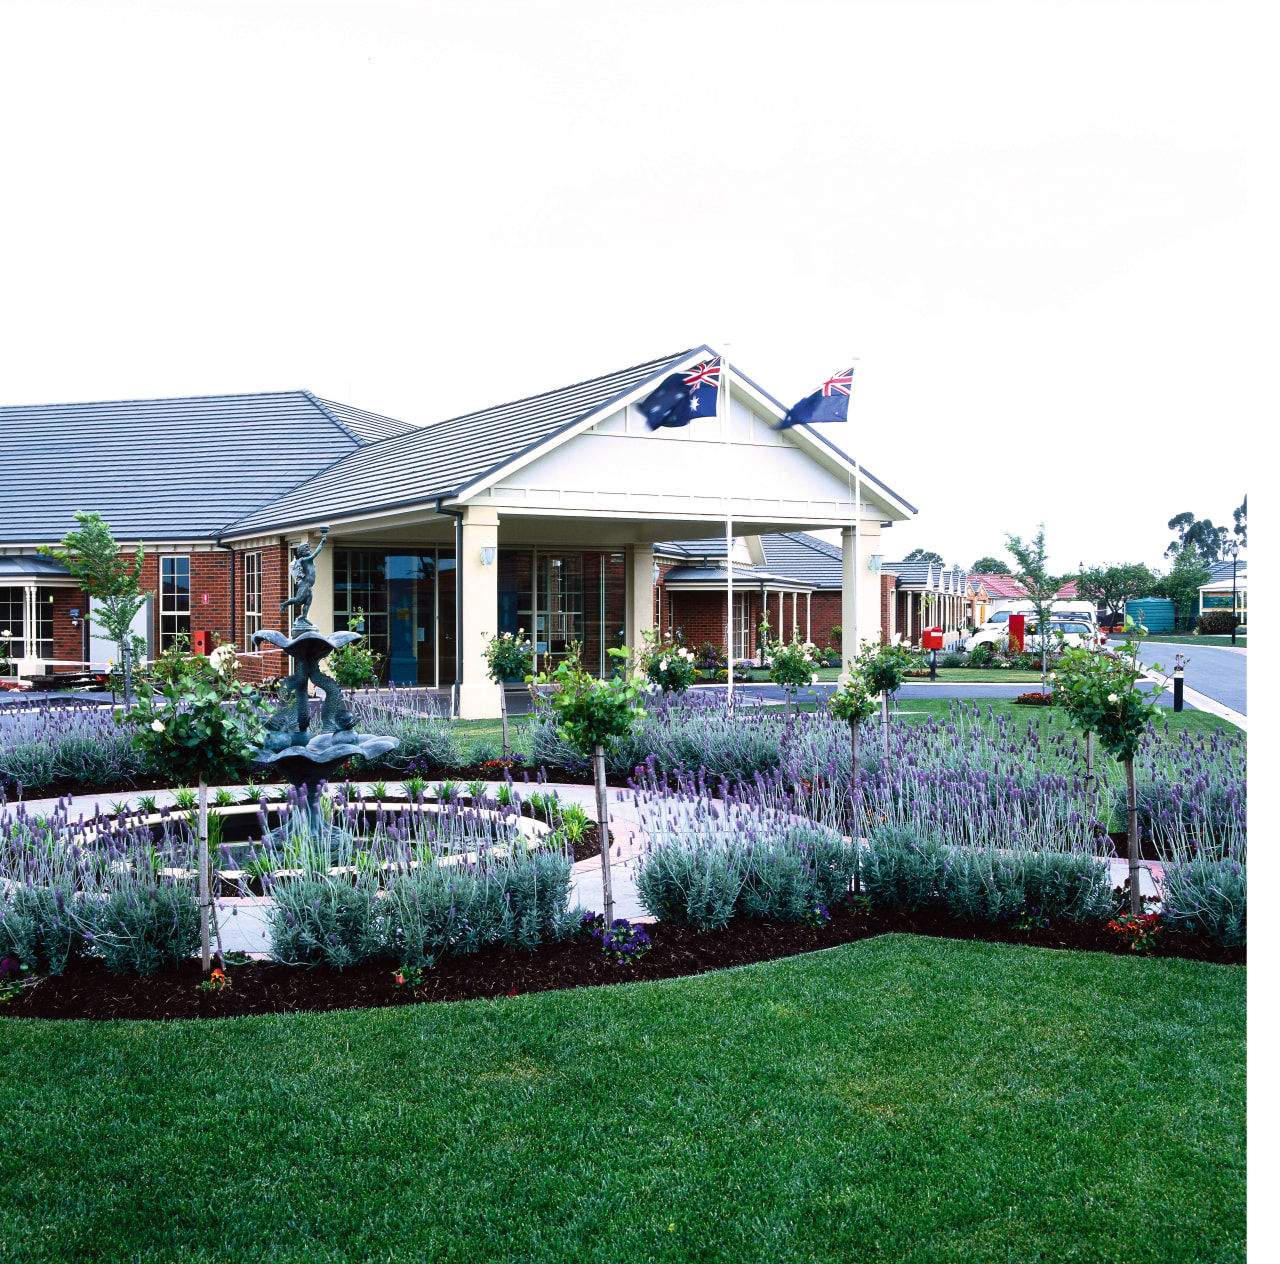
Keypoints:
pixel 444 458
pixel 793 555
pixel 165 468
pixel 1005 586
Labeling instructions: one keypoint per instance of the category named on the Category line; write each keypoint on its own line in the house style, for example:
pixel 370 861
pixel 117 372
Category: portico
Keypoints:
pixel 469 532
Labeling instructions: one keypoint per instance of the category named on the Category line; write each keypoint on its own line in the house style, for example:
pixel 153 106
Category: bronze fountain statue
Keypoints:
pixel 308 760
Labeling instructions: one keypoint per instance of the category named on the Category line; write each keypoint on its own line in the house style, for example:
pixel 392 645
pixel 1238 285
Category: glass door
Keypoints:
pixel 559 607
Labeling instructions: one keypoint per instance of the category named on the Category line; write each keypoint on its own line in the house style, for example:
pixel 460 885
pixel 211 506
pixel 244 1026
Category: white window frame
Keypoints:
pixel 252 597
pixel 171 614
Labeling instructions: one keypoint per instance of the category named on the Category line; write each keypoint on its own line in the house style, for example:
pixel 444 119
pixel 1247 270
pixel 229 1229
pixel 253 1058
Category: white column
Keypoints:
pixel 321 595
pixel 848 650
pixel 478 696
pixel 808 616
pixel 795 623
pixel 639 594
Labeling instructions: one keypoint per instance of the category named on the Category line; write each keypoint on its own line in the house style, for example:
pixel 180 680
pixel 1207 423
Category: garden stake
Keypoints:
pixel 602 815
pixel 857 815
pixel 1135 839
pixel 204 875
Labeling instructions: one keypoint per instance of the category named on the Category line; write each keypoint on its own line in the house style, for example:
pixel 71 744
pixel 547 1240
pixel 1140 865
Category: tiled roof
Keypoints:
pixel 367 427
pixel 716 575
pixel 794 555
pixel 1000 586
pixel 1222 571
pixel 164 468
pixel 442 459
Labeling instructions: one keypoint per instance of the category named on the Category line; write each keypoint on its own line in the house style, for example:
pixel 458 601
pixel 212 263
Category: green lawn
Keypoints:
pixel 902 1098
pixel 1172 638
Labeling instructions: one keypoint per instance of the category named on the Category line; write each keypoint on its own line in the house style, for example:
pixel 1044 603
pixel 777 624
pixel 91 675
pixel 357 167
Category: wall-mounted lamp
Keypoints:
pixel 487 553
pixel 657 573
pixel 74 614
pixel 875 561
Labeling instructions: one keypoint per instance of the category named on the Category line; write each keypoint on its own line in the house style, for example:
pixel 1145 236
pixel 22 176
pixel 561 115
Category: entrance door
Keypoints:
pixel 404 575
pixel 559 606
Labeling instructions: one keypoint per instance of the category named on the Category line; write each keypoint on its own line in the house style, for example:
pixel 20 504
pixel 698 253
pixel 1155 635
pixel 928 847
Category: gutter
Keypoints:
pixel 231 548
pixel 456 514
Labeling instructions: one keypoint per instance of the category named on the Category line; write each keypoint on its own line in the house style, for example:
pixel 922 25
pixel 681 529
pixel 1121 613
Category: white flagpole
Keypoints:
pixel 725 409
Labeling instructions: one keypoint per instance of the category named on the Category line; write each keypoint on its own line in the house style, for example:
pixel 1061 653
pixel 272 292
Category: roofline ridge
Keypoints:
pixel 586 381
pixel 323 407
pixel 158 399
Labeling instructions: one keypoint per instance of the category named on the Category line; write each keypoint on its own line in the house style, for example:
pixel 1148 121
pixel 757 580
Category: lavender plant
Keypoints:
pixel 420 723
pixel 1206 897
pixel 43 744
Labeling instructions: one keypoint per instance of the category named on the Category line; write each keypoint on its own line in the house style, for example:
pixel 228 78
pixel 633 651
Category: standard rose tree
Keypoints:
pixel 202 725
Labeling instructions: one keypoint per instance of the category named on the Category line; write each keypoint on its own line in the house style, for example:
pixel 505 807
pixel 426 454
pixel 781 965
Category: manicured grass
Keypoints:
pixel 902 1098
pixel 909 709
pixel 1171 638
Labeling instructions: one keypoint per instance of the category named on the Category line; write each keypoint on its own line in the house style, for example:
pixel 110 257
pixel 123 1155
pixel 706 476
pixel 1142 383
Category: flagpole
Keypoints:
pixel 727 423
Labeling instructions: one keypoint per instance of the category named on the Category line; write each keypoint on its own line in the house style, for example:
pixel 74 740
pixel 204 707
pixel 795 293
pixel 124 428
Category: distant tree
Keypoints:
pixel 923 555
pixel 1241 527
pixel 1110 587
pixel 989 566
pixel 1041 589
pixel 1182 583
pixel 1201 534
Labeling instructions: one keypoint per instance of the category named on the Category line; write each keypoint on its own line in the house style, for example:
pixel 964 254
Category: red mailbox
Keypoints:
pixel 933 638
pixel 202 643
pixel 1017 632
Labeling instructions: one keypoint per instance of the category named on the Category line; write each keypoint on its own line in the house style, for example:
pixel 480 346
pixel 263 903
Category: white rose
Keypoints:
pixel 663 664
pixel 1112 698
pixel 6 635
pixel 158 725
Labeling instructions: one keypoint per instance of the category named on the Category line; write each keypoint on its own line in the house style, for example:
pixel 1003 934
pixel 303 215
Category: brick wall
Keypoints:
pixel 68 642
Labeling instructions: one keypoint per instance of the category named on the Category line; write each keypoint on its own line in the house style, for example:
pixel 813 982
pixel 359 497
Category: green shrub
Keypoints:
pixel 1216 623
pixel 981 655
pixel 901 869
pixel 1207 897
pixel 444 909
pixel 140 930
pixel 692 885
pixel 952 660
pixel 35 929
pixel 319 922
pixel 1067 885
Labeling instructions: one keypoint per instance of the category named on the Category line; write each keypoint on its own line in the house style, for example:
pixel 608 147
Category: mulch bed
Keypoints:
pixel 87 990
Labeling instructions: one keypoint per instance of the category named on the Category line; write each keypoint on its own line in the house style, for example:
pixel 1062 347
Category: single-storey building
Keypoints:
pixel 542 514
pixel 1228 581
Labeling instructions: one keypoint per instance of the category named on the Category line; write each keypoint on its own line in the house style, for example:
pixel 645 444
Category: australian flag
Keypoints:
pixel 830 402
pixel 683 396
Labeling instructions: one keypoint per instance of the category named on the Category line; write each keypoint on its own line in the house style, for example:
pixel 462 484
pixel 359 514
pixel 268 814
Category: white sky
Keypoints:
pixel 1027 221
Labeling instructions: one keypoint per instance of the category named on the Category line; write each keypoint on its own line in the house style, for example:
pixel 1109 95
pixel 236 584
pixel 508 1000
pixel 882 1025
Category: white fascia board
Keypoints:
pixel 551 442
pixel 378 519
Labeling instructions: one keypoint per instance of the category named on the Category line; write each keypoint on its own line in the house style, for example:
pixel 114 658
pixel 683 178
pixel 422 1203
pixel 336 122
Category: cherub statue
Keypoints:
pixel 303 574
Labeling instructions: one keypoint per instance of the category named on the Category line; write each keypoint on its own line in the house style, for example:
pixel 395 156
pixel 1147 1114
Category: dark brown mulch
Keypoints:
pixel 86 990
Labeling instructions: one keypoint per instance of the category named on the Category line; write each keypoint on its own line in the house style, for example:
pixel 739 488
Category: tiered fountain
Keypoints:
pixel 309 760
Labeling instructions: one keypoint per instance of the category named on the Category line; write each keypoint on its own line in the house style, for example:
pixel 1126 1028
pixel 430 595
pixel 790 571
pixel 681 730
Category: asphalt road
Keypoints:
pixel 1220 674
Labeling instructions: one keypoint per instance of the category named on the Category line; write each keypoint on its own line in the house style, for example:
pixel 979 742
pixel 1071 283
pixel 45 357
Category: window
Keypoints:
pixel 741 625
pixel 175 600
pixel 13 606
pixel 252 597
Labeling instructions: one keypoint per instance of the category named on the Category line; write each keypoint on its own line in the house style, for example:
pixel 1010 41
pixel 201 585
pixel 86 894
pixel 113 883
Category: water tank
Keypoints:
pixel 1156 613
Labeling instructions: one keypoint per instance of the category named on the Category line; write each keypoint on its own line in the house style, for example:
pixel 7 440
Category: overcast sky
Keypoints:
pixel 1027 222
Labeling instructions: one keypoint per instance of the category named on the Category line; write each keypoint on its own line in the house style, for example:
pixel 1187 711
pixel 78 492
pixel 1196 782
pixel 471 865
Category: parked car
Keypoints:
pixel 1084 611
pixel 1074 633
